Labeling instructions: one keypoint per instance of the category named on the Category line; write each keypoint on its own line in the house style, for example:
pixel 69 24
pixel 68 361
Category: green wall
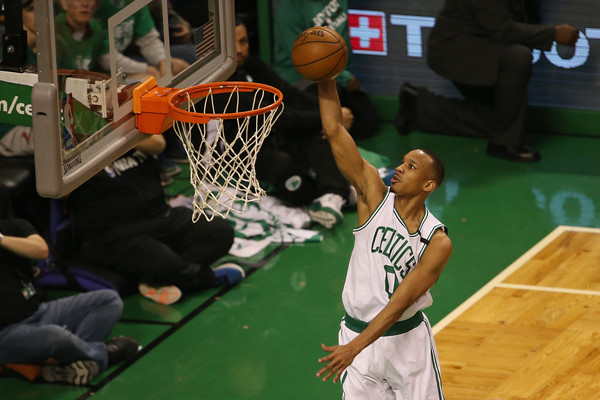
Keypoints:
pixel 553 121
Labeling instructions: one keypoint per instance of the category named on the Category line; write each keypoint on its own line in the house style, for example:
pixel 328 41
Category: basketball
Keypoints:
pixel 319 53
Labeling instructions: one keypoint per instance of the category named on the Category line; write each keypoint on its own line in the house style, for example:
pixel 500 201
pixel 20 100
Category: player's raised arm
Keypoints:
pixel 362 175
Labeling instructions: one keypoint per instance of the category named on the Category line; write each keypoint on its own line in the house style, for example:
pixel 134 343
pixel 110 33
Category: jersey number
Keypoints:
pixel 391 280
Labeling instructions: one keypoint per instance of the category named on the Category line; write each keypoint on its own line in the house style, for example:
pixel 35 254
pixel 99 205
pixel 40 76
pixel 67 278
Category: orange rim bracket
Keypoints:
pixel 151 107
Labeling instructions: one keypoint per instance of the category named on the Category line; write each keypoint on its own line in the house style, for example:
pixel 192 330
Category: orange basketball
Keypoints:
pixel 319 53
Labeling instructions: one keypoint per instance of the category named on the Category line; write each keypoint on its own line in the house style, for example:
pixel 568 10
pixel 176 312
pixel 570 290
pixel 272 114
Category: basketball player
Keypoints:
pixel 386 349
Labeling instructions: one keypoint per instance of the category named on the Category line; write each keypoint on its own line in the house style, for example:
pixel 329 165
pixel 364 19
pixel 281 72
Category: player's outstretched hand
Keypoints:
pixel 339 359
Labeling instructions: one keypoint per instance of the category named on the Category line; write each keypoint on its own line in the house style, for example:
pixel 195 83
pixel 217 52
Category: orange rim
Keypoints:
pixel 180 96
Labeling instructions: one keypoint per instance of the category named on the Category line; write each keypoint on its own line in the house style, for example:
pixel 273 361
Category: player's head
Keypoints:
pixel 437 167
pixel 242 45
pixel 421 172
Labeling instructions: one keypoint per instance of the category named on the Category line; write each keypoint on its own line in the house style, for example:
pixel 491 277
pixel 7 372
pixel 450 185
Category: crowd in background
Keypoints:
pixel 122 220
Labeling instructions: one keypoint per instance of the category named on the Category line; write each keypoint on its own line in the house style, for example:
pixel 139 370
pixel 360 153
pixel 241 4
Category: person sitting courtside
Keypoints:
pixel 125 224
pixel 70 331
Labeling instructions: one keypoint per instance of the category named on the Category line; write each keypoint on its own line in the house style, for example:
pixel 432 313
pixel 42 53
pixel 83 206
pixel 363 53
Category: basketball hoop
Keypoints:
pixel 222 126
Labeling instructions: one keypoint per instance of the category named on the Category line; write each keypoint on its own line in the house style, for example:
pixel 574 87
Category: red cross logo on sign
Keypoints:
pixel 367 32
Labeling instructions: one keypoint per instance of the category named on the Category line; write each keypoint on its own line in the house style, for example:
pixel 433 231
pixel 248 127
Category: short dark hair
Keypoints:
pixel 437 166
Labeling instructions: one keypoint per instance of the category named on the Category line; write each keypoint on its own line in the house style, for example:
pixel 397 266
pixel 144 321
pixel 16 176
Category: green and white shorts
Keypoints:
pixel 402 364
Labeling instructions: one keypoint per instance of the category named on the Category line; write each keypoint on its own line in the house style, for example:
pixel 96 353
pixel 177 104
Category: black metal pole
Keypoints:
pixel 14 40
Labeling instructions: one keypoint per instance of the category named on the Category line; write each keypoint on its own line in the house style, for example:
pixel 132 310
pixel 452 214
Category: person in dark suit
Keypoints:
pixel 484 48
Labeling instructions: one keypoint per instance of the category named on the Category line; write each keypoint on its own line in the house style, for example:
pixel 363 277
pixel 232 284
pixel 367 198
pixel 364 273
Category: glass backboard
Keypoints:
pixel 82 102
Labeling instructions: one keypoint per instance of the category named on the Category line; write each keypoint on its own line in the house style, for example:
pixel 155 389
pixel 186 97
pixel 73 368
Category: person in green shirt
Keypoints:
pixel 80 40
pixel 138 38
pixel 292 17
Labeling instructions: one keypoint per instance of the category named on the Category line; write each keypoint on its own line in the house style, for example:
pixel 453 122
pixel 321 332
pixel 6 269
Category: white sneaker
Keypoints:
pixel 327 210
pixel 77 373
pixel 352 198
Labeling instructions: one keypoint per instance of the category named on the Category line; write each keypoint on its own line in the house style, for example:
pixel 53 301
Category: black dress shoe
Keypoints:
pixel 408 109
pixel 121 348
pixel 513 153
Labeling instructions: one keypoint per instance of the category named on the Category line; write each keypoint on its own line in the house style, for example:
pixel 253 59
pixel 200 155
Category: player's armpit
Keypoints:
pixel 370 191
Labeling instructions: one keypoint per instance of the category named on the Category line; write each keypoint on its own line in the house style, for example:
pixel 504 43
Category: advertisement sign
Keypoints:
pixel 389 40
pixel 15 98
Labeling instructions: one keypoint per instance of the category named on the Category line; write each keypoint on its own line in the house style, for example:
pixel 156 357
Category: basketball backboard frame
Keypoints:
pixel 60 170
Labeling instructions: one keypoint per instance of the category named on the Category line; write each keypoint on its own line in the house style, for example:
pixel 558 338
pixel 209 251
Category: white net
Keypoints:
pixel 223 152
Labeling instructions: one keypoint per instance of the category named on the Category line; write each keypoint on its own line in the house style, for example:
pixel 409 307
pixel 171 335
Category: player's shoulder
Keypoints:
pixel 441 241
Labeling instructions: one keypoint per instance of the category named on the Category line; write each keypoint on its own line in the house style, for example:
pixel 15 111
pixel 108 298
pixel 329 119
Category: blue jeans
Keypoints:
pixel 186 52
pixel 68 329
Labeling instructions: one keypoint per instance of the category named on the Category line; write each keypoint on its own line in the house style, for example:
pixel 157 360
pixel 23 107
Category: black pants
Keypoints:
pixel 285 164
pixel 496 112
pixel 18 195
pixel 165 250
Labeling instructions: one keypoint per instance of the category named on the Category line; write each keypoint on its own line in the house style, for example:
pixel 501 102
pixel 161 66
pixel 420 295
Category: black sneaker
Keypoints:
pixel 77 373
pixel 121 348
pixel 407 111
pixel 514 153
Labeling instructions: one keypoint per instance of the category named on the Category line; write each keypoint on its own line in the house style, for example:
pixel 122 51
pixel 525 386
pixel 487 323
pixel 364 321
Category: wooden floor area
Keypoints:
pixel 533 332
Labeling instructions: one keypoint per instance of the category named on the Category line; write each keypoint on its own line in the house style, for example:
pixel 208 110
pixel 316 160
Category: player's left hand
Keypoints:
pixel 339 359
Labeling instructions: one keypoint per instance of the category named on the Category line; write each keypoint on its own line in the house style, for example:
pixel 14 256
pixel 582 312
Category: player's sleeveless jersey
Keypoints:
pixel 384 252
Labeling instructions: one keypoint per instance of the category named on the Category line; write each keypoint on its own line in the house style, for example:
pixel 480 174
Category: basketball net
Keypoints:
pixel 223 155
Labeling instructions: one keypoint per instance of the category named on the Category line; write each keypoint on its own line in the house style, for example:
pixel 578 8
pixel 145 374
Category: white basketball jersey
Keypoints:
pixel 384 252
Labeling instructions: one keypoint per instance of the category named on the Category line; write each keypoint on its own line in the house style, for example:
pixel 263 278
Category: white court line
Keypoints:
pixel 548 289
pixel 497 280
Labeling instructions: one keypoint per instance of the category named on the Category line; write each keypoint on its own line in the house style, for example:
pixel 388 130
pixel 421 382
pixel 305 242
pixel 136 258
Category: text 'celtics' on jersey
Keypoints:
pixel 384 253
